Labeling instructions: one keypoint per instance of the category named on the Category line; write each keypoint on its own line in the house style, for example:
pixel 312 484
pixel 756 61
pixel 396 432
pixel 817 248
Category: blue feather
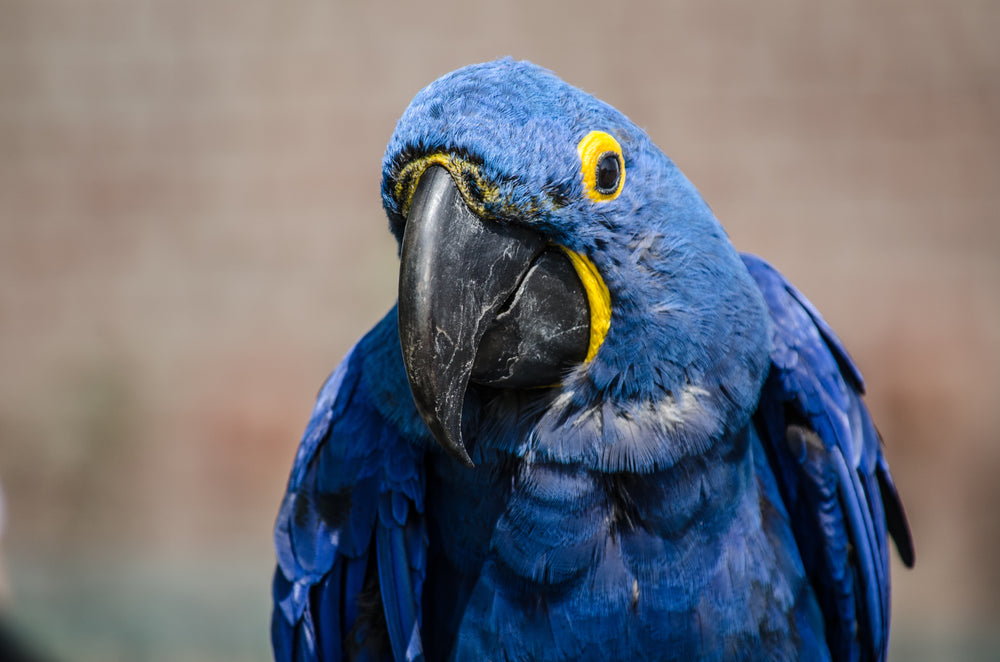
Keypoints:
pixel 816 379
pixel 353 476
pixel 709 486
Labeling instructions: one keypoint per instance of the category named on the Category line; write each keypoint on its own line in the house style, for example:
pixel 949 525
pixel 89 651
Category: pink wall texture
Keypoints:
pixel 191 237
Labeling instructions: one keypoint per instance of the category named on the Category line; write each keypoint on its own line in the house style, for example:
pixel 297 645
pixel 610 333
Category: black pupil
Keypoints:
pixel 608 171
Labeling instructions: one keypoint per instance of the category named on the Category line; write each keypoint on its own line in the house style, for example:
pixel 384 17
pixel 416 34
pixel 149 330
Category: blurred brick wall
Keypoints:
pixel 191 236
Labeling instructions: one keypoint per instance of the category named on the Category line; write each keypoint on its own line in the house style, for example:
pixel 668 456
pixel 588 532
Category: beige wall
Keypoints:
pixel 191 236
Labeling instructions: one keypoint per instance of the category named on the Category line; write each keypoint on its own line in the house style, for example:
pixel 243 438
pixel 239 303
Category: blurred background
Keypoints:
pixel 191 237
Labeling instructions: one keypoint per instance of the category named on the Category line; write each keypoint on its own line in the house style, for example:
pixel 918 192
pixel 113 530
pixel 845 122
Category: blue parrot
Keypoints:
pixel 589 429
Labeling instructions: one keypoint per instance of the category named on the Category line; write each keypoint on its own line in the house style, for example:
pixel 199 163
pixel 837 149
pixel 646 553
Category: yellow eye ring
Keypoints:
pixel 602 166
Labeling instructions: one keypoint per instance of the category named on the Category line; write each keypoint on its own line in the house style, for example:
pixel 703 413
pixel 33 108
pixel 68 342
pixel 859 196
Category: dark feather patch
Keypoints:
pixel 895 518
pixel 334 507
pixel 369 638
pixel 558 194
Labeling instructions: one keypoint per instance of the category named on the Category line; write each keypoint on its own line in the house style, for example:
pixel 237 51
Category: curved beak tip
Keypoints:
pixel 462 455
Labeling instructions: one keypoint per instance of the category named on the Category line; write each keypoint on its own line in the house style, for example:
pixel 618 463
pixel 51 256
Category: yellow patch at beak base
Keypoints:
pixel 598 297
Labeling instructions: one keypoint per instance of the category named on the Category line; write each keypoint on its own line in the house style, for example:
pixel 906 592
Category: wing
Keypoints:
pixel 833 475
pixel 350 536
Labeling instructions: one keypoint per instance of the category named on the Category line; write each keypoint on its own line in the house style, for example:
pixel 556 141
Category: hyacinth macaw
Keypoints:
pixel 590 429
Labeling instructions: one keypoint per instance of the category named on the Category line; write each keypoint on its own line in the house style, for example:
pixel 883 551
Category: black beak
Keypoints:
pixel 484 301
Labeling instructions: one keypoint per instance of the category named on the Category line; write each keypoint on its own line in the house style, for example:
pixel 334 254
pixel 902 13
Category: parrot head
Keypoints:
pixel 547 244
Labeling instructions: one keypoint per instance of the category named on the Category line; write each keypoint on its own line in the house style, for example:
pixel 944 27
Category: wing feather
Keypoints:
pixel 350 536
pixel 832 472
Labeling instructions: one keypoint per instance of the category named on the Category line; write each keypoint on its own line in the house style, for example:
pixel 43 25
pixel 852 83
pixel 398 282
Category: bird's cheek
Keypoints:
pixel 598 300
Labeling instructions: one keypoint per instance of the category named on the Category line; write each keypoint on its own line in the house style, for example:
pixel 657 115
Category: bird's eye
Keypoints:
pixel 609 169
pixel 602 166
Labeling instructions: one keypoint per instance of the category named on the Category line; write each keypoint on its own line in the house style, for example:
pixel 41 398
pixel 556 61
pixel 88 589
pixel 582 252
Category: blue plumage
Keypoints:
pixel 708 485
